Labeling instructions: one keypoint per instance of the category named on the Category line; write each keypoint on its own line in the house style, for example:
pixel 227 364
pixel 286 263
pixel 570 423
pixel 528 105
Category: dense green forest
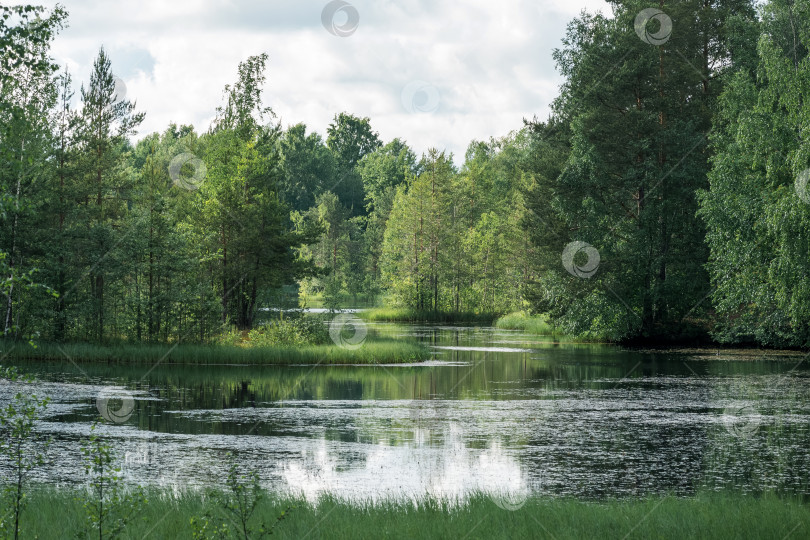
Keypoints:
pixel 665 195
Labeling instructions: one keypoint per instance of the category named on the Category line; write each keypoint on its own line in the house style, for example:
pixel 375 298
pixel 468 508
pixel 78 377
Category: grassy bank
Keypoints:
pixel 541 325
pixel 343 299
pixel 415 315
pixel 370 352
pixel 53 514
pixel 533 324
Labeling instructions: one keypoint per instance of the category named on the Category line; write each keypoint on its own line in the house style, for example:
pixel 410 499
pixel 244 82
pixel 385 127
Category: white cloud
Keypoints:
pixel 490 61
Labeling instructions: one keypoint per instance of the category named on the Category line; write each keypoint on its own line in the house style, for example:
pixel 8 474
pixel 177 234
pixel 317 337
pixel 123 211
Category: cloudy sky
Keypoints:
pixel 437 73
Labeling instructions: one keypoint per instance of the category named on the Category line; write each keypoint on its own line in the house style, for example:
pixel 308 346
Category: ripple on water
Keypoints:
pixel 588 423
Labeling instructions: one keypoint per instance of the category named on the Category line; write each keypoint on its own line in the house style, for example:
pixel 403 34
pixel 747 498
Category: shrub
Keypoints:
pixel 290 331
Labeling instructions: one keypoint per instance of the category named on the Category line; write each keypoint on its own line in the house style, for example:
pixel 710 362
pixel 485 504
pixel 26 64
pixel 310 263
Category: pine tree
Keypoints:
pixel 106 122
pixel 639 113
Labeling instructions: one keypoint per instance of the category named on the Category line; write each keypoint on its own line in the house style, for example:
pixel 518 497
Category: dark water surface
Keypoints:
pixel 495 411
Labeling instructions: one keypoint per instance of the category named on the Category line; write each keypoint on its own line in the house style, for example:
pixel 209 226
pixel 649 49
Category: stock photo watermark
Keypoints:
pixel 650 18
pixel 801 185
pixel 340 18
pixel 178 171
pixel 115 404
pixel 511 499
pixel 741 420
pixel 420 97
pixel 572 255
pixel 508 486
pixel 348 331
pixel 120 92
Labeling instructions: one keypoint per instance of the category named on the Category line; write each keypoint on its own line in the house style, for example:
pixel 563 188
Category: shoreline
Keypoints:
pixel 369 353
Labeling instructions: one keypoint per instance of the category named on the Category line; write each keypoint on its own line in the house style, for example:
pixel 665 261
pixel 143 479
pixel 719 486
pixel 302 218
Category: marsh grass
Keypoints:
pixel 532 324
pixel 380 351
pixel 541 325
pixel 57 514
pixel 414 315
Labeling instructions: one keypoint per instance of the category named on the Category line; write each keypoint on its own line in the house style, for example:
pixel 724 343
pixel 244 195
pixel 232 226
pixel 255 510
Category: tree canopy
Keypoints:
pixel 665 196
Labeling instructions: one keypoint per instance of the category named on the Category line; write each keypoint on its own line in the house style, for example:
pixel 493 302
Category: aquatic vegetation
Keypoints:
pixel 533 324
pixel 417 315
pixel 371 352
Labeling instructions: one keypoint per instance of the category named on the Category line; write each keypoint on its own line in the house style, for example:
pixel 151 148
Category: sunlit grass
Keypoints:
pixel 369 352
pixel 415 315
pixel 58 514
pixel 343 300
pixel 533 324
pixel 541 325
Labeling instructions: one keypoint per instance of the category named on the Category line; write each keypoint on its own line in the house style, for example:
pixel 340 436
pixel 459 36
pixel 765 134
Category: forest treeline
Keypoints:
pixel 665 195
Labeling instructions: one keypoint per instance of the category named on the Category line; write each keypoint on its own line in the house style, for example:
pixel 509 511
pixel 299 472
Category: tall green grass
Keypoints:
pixel 541 325
pixel 55 514
pixel 533 324
pixel 415 315
pixel 370 352
pixel 343 299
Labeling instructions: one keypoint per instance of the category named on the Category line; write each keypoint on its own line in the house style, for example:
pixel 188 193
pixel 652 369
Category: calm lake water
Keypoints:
pixel 494 411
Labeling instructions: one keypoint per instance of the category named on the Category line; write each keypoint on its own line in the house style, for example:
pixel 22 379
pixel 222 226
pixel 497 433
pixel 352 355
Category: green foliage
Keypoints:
pixel 27 96
pixel 108 507
pixel 413 315
pixel 705 515
pixel 32 32
pixel 634 118
pixel 453 240
pixel 374 351
pixel 308 167
pixel 756 206
pixel 333 250
pixel 19 450
pixel 203 529
pixel 129 251
pixel 238 502
pixel 106 122
pixel 349 138
pixel 678 163
pixel 290 331
pixel 381 171
pixel 533 324
pixel 243 113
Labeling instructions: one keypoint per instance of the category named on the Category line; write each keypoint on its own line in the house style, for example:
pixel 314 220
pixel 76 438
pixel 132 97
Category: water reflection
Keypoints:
pixel 496 411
